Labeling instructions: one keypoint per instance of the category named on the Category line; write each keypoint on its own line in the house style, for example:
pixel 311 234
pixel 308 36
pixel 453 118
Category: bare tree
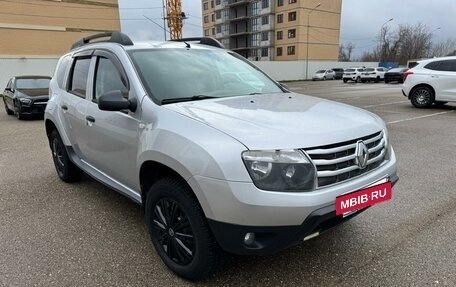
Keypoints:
pixel 444 48
pixel 407 42
pixel 345 52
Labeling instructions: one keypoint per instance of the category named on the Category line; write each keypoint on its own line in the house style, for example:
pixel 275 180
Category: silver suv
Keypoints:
pixel 217 161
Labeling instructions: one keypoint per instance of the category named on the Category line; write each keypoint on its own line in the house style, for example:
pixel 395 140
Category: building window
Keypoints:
pixel 265 4
pixel 218 15
pixel 206 19
pixel 205 5
pixel 219 29
pixel 213 17
pixel 279 3
pixel 255 9
pixel 264 36
pixel 254 53
pixel 292 16
pixel 264 52
pixel 291 1
pixel 255 40
pixel 213 31
pixel 217 2
pixel 279 35
pixel 255 25
pixel 206 32
pixel 279 51
pixel 290 50
pixel 212 4
pixel 292 33
pixel 265 20
pixel 279 18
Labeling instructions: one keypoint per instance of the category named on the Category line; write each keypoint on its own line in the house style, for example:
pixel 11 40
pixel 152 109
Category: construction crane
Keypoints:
pixel 175 18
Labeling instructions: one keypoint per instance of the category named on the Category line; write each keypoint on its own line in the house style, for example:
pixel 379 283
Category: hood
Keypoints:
pixel 33 92
pixel 282 121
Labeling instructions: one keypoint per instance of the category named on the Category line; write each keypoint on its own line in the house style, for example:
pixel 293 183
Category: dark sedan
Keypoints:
pixel 26 96
pixel 395 75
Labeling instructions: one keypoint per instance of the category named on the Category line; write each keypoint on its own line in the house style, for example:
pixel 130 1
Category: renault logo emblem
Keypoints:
pixel 361 154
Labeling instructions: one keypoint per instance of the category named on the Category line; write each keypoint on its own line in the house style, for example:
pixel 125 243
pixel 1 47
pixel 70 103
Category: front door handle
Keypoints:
pixel 64 107
pixel 90 120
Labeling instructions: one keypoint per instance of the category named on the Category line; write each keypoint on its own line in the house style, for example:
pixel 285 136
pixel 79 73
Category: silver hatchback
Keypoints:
pixel 219 155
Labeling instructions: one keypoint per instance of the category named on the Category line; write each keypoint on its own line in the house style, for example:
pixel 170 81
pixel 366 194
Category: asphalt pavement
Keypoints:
pixel 84 234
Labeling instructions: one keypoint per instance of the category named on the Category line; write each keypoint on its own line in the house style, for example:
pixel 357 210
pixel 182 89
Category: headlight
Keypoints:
pixel 25 101
pixel 280 170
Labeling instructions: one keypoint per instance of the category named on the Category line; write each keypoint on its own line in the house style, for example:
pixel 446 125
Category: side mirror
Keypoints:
pixel 114 101
pixel 9 89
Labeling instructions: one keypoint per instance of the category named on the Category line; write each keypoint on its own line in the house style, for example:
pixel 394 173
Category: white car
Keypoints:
pixel 324 75
pixel 373 74
pixel 431 81
pixel 353 74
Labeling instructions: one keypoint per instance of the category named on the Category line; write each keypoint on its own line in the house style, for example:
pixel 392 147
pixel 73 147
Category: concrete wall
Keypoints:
pixel 296 70
pixel 10 67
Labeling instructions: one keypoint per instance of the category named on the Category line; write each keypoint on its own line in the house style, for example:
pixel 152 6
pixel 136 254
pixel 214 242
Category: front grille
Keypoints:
pixel 336 163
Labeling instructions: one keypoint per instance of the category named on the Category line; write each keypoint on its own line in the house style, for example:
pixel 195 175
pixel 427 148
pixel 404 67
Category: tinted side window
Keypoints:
pixel 78 81
pixel 61 71
pixel 107 78
pixel 433 65
pixel 447 65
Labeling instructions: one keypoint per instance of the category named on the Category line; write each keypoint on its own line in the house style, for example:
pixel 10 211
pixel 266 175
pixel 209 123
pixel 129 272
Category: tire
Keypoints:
pixel 17 111
pixel 171 207
pixel 363 81
pixel 377 79
pixel 324 78
pixel 66 170
pixel 345 80
pixel 422 97
pixel 440 103
pixel 358 79
pixel 7 110
pixel 386 81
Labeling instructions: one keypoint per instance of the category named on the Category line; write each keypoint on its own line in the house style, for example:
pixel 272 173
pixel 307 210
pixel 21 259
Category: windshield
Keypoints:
pixel 320 72
pixel 370 70
pixel 183 73
pixel 32 83
pixel 349 70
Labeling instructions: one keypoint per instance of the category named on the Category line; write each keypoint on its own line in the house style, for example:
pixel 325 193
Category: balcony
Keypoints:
pixel 232 3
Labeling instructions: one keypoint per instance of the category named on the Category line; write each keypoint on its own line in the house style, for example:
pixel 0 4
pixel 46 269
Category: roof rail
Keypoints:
pixel 114 37
pixel 202 40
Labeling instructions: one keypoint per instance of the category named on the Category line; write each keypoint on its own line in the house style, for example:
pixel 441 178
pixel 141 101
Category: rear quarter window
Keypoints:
pixel 61 71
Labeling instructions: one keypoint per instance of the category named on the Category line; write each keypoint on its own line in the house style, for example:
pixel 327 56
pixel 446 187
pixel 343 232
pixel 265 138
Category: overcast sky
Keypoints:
pixel 360 24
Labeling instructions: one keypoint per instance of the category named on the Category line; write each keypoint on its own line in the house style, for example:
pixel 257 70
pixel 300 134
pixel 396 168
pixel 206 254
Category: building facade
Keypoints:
pixel 33 28
pixel 279 30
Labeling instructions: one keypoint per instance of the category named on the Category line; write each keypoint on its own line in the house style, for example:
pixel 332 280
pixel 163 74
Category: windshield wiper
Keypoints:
pixel 186 99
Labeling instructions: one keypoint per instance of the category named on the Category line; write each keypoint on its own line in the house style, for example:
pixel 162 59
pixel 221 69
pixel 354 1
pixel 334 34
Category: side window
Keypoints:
pixel 10 84
pixel 78 81
pixel 447 66
pixel 60 73
pixel 107 79
pixel 433 65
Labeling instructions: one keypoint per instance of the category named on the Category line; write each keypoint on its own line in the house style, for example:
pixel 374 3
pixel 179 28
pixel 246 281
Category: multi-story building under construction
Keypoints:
pixel 279 30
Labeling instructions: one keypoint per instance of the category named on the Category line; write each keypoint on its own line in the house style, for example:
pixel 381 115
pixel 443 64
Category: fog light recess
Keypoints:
pixel 249 238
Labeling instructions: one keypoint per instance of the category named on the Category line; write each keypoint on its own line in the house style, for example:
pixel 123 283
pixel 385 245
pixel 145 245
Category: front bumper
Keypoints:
pixel 34 109
pixel 241 207
pixel 272 239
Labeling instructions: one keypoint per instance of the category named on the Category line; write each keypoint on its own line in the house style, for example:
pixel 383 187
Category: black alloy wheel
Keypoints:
pixel 66 170
pixel 179 230
pixel 173 231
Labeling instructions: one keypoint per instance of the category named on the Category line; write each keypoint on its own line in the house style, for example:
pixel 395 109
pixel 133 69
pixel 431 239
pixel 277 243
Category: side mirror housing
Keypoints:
pixel 114 101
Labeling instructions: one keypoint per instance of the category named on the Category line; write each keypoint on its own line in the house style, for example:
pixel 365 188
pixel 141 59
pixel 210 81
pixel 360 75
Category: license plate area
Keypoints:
pixel 350 203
